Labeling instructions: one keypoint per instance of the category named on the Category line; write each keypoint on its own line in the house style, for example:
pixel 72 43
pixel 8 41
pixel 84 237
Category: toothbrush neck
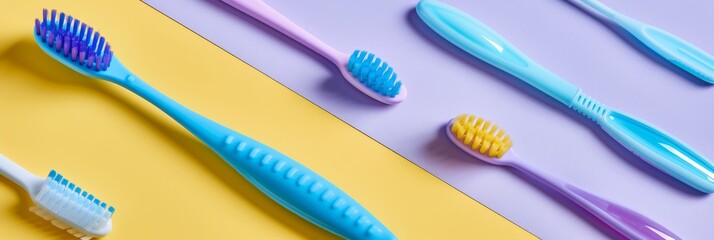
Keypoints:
pixel 205 129
pixel 537 176
pixel 602 9
pixel 611 14
pixel 308 40
pixel 18 175
pixel 266 14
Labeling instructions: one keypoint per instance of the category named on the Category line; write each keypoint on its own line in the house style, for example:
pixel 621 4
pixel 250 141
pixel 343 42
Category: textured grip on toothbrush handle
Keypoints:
pixel 479 40
pixel 655 146
pixel 284 180
pixel 623 220
pixel 301 190
pixel 271 17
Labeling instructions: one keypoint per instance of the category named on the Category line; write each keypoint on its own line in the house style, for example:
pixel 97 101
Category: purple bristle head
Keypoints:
pixel 74 40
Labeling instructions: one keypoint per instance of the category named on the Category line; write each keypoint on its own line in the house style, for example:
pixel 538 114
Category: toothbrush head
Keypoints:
pixel 374 77
pixel 479 137
pixel 75 44
pixel 70 208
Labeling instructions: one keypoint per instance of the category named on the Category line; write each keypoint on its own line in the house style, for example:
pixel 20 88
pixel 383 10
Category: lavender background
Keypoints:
pixel 444 82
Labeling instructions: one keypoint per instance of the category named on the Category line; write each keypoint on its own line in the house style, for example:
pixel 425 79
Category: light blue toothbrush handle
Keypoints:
pixel 286 181
pixel 479 40
pixel 655 146
pixel 661 150
pixel 679 52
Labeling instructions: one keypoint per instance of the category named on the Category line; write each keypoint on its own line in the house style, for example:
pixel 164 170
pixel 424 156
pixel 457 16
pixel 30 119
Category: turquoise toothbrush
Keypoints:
pixel 654 146
pixel 284 180
pixel 670 47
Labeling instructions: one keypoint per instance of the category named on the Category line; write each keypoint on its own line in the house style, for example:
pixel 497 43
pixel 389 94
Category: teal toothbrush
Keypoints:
pixel 286 181
pixel 654 146
pixel 670 47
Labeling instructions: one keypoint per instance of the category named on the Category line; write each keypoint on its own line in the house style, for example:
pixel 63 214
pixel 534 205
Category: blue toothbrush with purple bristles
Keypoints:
pixel 286 181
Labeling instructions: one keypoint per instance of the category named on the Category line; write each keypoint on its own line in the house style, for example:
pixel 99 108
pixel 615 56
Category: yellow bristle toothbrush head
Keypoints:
pixel 477 135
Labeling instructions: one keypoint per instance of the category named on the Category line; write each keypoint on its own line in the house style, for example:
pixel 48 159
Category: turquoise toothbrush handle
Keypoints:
pixel 621 219
pixel 679 52
pixel 654 146
pixel 481 41
pixel 286 181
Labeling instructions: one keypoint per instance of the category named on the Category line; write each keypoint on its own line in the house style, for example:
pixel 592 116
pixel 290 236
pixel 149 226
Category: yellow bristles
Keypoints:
pixel 480 135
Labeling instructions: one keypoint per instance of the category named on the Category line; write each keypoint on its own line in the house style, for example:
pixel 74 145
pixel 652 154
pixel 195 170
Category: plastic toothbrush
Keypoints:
pixel 61 202
pixel 679 52
pixel 485 141
pixel 654 146
pixel 363 70
pixel 286 181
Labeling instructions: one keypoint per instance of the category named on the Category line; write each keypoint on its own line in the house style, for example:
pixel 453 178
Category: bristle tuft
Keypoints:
pixel 70 208
pixel 74 40
pixel 39 211
pixel 374 73
pixel 481 135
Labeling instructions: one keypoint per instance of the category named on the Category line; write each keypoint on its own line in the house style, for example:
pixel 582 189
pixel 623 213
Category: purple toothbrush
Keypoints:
pixel 487 142
pixel 362 69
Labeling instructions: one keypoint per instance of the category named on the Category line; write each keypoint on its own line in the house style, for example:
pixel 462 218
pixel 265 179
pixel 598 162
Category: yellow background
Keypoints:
pixel 164 183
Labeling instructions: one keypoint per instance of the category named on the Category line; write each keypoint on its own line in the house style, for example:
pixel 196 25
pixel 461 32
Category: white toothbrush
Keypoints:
pixel 62 202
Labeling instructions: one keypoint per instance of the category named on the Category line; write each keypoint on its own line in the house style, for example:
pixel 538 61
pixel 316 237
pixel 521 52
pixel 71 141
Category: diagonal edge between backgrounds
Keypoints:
pixel 328 112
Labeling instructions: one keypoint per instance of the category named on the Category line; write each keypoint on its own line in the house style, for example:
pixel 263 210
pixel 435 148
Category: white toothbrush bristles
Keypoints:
pixel 70 208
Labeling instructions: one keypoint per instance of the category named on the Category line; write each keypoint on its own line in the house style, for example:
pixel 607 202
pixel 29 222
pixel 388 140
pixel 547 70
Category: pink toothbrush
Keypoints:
pixel 363 70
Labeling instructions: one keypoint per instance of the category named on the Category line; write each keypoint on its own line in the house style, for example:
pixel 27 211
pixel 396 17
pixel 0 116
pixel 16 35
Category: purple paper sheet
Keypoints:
pixel 444 82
